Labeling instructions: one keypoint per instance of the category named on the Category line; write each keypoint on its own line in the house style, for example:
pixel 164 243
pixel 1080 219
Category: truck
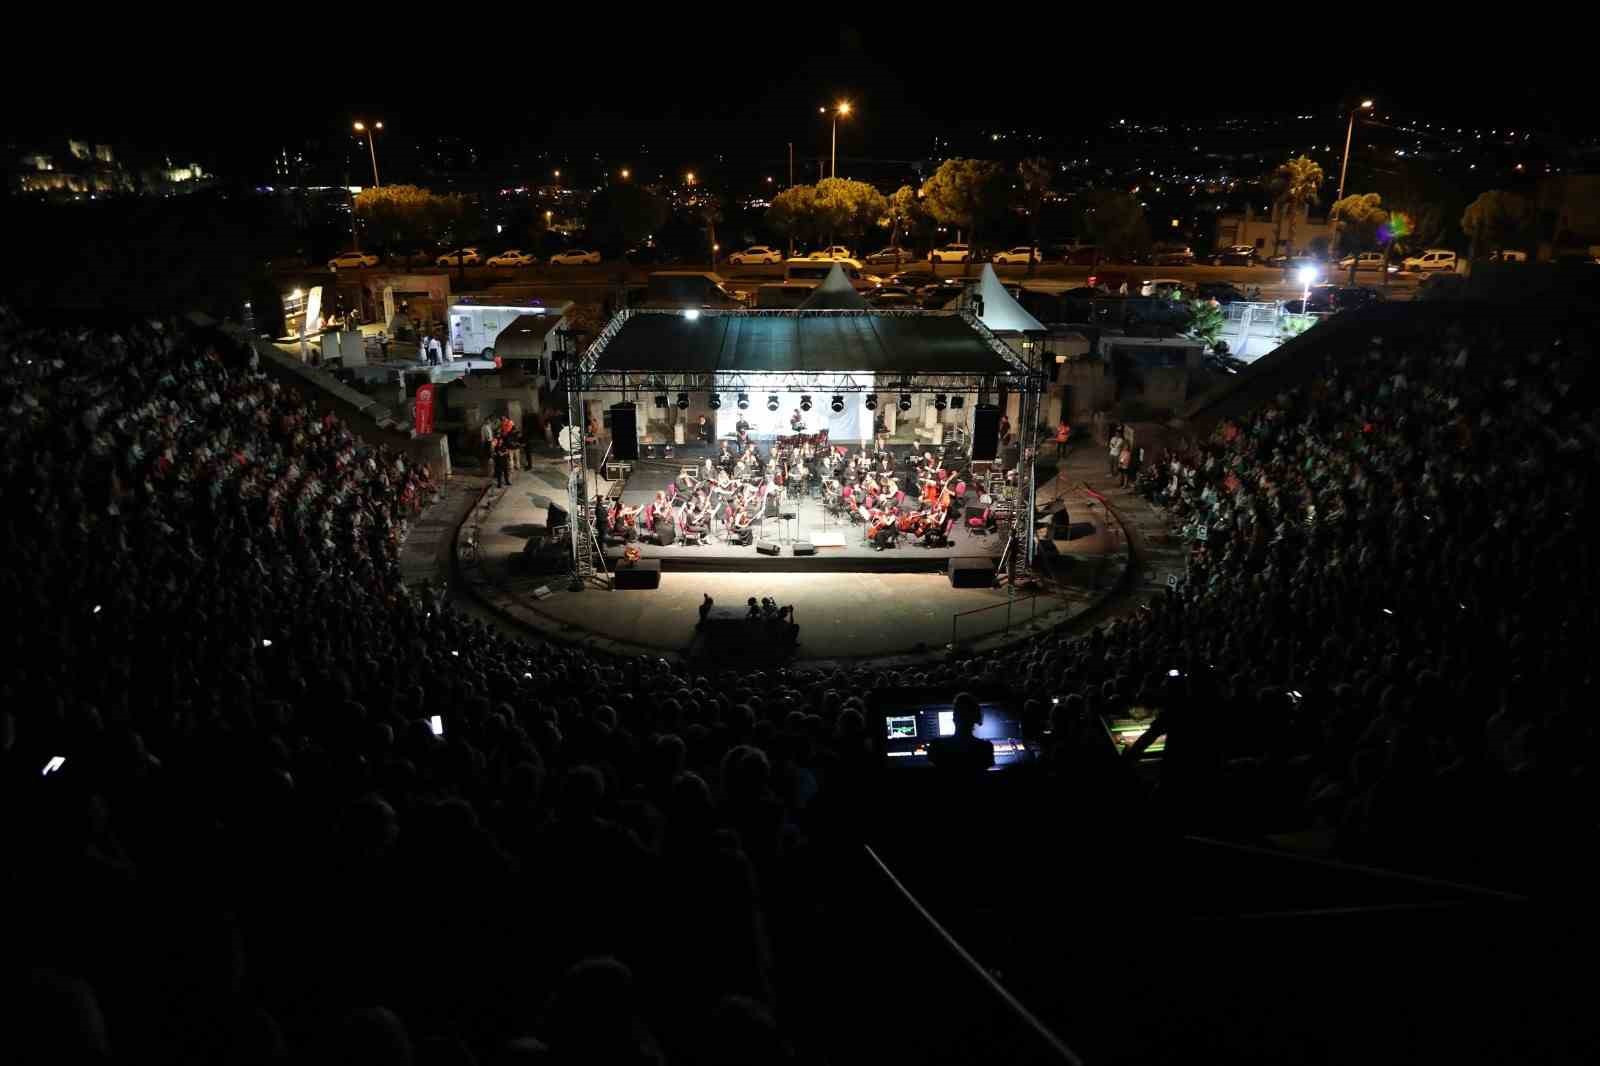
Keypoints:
pixel 691 288
pixel 474 327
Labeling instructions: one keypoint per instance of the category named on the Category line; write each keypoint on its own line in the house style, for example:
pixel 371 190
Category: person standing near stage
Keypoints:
pixel 1114 452
pixel 1063 438
pixel 502 464
pixel 486 438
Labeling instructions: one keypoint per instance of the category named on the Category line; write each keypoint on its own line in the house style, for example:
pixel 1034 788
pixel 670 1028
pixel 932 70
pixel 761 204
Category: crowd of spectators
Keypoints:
pixel 302 813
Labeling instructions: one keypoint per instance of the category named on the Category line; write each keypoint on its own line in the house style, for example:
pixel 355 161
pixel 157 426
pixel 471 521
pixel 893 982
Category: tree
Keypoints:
pixel 794 213
pixel 405 216
pixel 1300 180
pixel 709 207
pixel 899 210
pixel 1115 222
pixel 970 194
pixel 623 215
pixel 1496 218
pixel 849 207
pixel 1205 319
pixel 1036 175
pixel 1359 216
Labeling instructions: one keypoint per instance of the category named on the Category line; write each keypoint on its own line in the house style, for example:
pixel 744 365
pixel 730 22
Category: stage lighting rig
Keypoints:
pixel 836 404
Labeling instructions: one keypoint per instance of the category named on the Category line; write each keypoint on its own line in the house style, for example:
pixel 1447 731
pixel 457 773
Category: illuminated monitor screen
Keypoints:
pixel 907 732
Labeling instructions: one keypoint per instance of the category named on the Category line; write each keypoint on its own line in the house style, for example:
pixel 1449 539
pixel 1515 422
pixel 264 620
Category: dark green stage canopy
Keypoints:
pixel 776 342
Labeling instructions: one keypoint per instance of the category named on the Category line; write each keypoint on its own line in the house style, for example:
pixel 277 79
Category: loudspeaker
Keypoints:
pixel 624 432
pixel 766 547
pixel 644 574
pixel 971 572
pixel 985 431
pixel 804 547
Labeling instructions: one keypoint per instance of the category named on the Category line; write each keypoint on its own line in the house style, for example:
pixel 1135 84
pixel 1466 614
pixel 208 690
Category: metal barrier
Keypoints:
pixel 1033 612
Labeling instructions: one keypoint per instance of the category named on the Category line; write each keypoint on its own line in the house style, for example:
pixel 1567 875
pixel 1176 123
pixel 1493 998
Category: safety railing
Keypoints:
pixel 1010 607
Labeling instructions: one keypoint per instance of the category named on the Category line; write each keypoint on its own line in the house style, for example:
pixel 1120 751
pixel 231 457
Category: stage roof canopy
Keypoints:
pixel 775 342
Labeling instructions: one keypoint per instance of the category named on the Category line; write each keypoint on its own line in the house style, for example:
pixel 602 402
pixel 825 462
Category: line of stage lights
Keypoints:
pixel 835 403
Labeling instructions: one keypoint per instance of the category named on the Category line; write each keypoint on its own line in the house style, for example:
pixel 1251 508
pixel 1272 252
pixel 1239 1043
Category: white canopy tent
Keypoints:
pixel 1001 312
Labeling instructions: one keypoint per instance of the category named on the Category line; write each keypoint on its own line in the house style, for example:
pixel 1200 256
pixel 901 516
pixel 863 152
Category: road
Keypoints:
pixel 1047 277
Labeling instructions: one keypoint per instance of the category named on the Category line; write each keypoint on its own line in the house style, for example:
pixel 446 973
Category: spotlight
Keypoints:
pixel 805 403
pixel 743 402
pixel 837 404
pixel 661 399
pixel 940 401
pixel 715 401
pixel 692 313
pixel 872 402
pixel 683 401
pixel 957 402
pixel 905 401
pixel 772 401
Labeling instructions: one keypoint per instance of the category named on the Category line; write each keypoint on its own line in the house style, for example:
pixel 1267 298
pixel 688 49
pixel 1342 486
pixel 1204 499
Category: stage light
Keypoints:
pixel 837 404
pixel 905 401
pixel 743 402
pixel 661 399
pixel 772 401
pixel 683 401
pixel 940 401
pixel 957 402
pixel 692 313
pixel 716 401
pixel 872 402
pixel 805 403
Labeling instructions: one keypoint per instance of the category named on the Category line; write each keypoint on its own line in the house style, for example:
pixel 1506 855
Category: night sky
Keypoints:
pixel 749 84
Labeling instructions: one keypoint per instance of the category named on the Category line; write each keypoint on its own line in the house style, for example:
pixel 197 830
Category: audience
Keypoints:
pixel 254 823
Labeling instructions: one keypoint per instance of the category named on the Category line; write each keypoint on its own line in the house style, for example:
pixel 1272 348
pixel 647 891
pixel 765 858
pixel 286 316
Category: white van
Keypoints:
pixel 815 270
pixel 1431 260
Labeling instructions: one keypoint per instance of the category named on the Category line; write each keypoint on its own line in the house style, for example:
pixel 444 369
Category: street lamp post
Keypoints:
pixel 842 108
pixel 1344 165
pixel 362 127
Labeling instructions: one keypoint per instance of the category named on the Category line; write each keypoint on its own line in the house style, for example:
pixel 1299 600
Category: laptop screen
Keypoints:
pixel 908 730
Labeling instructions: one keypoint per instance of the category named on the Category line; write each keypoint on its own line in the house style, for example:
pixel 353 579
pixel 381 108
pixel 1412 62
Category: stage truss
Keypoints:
pixel 582 376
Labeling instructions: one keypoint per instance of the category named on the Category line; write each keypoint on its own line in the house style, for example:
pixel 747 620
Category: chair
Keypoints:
pixel 984 523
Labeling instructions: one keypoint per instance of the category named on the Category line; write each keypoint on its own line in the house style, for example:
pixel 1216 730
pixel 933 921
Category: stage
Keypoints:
pixel 841 545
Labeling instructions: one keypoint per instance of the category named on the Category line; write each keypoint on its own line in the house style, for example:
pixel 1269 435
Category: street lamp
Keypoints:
pixel 842 108
pixel 624 173
pixel 362 127
pixel 1349 132
pixel 689 178
pixel 1307 275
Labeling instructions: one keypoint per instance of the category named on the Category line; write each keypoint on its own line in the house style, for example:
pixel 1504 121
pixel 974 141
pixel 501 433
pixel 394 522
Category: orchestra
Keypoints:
pixel 724 496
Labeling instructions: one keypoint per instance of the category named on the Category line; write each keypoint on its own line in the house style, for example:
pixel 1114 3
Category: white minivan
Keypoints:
pixel 1430 260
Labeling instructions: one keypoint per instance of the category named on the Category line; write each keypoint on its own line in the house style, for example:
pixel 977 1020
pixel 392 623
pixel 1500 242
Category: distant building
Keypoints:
pixel 1263 232
pixel 72 169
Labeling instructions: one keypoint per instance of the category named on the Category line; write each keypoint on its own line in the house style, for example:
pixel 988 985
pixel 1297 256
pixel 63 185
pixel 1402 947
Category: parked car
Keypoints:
pixel 756 254
pixel 1430 260
pixel 1115 282
pixel 1234 255
pixel 1365 261
pixel 890 257
pixel 1021 255
pixel 1329 298
pixel 911 279
pixel 511 257
pixel 1173 255
pixel 1509 255
pixel 459 257
pixel 1160 287
pixel 352 260
pixel 951 253
pixel 1224 292
pixel 894 296
pixel 575 257
pixel 833 251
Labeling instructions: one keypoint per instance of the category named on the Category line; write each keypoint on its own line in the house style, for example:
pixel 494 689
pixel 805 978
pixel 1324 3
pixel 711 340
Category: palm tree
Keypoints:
pixel 1036 174
pixel 1302 180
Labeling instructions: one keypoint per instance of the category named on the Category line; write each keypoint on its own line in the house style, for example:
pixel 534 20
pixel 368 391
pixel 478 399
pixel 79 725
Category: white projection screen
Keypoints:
pixel 852 424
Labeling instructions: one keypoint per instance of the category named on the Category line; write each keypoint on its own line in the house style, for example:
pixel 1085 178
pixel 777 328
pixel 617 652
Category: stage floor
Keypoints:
pixel 841 545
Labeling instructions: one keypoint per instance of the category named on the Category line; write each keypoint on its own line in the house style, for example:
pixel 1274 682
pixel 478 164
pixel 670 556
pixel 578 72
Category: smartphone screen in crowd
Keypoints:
pixel 436 723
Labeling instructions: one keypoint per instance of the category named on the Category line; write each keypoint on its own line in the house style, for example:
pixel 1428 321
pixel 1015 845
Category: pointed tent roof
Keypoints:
pixel 834 294
pixel 1001 312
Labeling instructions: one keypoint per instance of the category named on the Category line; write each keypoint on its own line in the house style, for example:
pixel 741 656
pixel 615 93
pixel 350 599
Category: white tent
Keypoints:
pixel 1001 313
pixel 834 294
